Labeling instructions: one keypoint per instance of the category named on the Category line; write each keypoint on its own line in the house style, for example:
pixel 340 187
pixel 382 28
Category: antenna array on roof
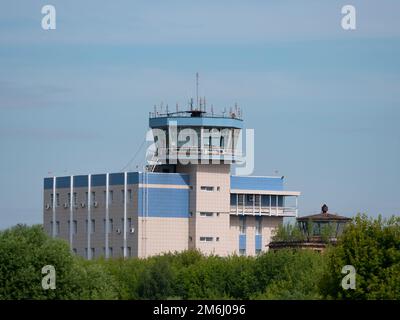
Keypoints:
pixel 200 107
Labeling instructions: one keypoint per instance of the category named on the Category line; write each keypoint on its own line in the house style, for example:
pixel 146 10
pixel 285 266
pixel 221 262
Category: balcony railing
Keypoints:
pixel 269 211
pixel 166 153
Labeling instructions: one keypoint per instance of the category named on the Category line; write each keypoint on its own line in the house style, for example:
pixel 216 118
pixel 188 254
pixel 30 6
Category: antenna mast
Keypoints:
pixel 197 90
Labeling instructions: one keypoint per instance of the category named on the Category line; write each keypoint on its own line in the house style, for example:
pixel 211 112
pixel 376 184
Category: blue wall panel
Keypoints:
pixel 63 182
pixel 98 180
pixel 81 181
pixel 133 177
pixel 258 241
pixel 256 183
pixel 165 202
pixel 48 183
pixel 196 122
pixel 116 178
pixel 242 242
pixel 167 178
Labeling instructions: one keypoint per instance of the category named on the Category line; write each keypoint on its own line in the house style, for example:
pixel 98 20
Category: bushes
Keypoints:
pixel 289 274
pixel 157 281
pixel 23 253
pixel 289 232
pixel 95 282
pixel 371 246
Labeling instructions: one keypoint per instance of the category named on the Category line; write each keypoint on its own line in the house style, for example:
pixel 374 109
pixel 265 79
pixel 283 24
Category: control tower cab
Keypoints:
pixel 194 137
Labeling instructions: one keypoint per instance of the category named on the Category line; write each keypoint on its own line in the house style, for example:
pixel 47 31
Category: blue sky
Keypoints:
pixel 324 102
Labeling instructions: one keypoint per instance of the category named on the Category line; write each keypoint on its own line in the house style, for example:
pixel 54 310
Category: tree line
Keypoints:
pixel 372 246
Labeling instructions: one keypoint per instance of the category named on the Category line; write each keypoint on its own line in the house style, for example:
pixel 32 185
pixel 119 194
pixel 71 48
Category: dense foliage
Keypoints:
pixel 372 246
pixel 24 251
pixel 289 232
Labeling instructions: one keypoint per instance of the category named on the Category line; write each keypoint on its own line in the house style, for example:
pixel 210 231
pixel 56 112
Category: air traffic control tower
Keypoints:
pixel 186 198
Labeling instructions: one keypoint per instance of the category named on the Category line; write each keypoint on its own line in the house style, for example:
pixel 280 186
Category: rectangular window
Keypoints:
pixel 233 199
pixel 110 251
pixel 242 252
pixel 206 139
pixel 57 199
pixel 265 200
pixel 129 223
pixel 130 195
pixel 206 214
pixel 93 200
pixel 104 197
pixel 129 251
pixel 281 202
pixel 207 188
pixel 74 250
pixel 273 201
pixel 51 199
pixel 93 226
pixel 206 239
pixel 93 251
pixel 110 196
pixel 57 228
pixel 250 199
pixel 74 226
pixel 110 225
pixel 242 224
pixel 316 229
pixel 258 251
pixel 241 199
pixel 75 199
pixel 86 197
pixel 258 225
pixel 123 195
pixel 69 198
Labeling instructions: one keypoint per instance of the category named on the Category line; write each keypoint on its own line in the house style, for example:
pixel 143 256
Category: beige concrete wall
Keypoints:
pixel 217 227
pixel 217 176
pixel 269 226
pixel 191 171
pixel 216 201
pixel 162 235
